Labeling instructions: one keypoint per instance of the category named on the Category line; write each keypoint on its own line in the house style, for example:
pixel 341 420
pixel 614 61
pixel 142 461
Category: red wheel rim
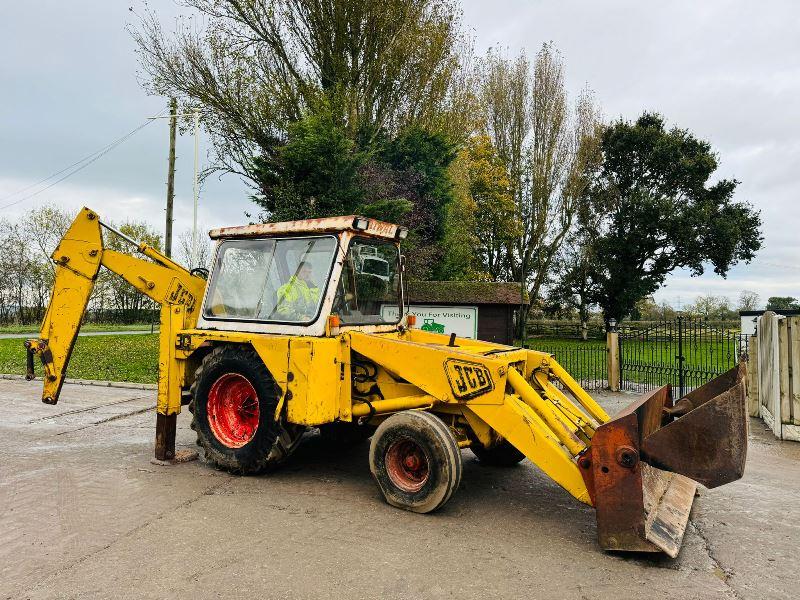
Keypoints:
pixel 233 410
pixel 407 465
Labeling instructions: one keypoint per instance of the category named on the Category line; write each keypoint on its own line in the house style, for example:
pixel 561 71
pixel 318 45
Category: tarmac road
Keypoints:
pixel 84 514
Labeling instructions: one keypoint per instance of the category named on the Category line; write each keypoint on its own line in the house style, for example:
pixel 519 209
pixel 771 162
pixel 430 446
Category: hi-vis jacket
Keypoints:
pixel 297 300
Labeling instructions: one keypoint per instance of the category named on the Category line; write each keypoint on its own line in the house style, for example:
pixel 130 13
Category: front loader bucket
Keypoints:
pixel 641 465
pixel 712 425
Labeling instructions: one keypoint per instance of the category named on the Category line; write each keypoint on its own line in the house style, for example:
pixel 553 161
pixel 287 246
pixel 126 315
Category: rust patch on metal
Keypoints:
pixel 639 507
pixel 165 436
pixel 640 467
pixel 618 496
pixel 709 442
pixel 323 225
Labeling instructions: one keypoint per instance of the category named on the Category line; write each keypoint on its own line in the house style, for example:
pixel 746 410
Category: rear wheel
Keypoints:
pixel 415 461
pixel 233 406
pixel 501 455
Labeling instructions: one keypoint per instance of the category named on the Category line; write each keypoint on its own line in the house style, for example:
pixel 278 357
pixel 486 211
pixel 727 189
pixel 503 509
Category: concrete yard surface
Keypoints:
pixel 84 514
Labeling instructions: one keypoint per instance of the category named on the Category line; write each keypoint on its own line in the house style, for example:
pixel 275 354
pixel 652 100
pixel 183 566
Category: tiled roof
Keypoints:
pixel 464 292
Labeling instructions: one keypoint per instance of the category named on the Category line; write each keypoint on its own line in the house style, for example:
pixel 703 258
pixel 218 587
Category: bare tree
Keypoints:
pixel 15 262
pixel 256 65
pixel 549 151
pixel 749 300
pixel 709 306
pixel 111 291
pixel 43 228
pixel 204 249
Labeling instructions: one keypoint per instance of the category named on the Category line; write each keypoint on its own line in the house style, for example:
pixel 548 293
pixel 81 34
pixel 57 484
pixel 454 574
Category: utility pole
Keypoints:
pixel 196 185
pixel 173 126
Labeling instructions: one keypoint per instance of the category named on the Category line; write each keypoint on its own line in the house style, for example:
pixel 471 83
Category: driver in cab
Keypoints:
pixel 298 298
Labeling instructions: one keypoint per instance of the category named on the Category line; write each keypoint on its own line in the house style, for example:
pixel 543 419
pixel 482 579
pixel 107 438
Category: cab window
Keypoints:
pixel 369 288
pixel 281 280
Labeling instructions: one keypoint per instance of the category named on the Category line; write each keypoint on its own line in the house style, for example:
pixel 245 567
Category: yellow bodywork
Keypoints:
pixel 485 392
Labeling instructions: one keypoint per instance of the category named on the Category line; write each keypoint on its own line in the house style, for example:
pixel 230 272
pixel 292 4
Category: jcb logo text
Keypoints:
pixel 468 379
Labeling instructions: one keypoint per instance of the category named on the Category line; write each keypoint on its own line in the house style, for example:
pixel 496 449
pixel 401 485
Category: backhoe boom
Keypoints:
pixel 78 259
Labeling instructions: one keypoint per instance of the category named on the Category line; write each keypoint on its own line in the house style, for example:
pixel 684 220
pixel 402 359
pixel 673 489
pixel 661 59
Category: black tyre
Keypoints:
pixel 233 407
pixel 342 435
pixel 501 455
pixel 415 461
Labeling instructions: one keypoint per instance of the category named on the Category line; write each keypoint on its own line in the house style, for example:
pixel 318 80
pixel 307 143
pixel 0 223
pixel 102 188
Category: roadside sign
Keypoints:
pixel 461 320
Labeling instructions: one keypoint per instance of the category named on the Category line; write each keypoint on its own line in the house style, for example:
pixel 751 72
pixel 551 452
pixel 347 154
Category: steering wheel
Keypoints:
pixel 341 301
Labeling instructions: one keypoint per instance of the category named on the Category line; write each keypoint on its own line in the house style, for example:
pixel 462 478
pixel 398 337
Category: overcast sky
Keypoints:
pixel 727 70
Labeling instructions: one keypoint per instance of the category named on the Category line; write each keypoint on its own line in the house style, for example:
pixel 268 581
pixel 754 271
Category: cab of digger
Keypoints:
pixel 369 286
pixel 292 280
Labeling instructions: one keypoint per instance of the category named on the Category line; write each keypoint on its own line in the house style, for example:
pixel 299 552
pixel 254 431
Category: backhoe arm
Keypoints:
pixel 78 258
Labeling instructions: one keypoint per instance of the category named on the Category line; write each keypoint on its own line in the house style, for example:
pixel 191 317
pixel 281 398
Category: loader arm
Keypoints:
pixel 78 259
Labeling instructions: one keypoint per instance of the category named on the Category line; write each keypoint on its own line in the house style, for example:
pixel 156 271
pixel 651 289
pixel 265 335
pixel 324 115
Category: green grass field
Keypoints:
pixel 550 344
pixel 585 361
pixel 86 327
pixel 109 357
pixel 134 358
pixel 643 361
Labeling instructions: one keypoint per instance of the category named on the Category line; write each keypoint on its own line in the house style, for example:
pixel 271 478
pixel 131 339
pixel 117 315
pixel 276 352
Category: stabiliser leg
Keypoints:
pixel 165 436
pixel 170 377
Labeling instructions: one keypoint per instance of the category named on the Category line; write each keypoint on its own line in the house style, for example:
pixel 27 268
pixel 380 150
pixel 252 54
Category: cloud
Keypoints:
pixel 215 207
pixel 728 71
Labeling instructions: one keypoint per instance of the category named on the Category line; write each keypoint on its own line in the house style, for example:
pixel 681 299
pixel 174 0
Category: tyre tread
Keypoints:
pixel 286 437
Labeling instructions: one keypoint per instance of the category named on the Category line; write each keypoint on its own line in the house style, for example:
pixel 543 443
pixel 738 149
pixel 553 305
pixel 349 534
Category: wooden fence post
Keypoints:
pixel 752 376
pixel 612 346
pixel 790 386
pixel 794 370
pixel 782 364
pixel 768 372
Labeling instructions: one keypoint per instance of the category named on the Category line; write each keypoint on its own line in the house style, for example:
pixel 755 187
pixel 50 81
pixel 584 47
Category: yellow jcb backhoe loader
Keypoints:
pixel 293 328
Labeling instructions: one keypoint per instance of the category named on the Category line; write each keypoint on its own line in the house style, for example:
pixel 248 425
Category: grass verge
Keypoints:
pixel 644 361
pixel 34 329
pixel 131 358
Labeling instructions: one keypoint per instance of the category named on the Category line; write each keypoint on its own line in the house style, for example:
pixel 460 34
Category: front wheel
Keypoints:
pixel 415 461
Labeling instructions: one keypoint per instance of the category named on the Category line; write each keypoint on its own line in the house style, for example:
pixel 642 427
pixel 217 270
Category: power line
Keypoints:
pixel 80 164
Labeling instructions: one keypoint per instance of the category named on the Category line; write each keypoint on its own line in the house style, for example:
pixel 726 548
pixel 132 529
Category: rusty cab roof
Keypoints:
pixel 353 223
